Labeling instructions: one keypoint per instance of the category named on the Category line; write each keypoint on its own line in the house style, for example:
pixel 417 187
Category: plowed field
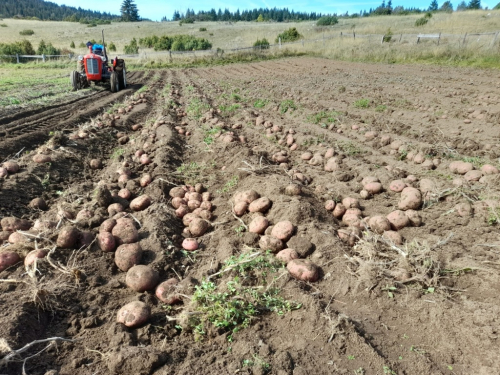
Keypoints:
pixel 403 285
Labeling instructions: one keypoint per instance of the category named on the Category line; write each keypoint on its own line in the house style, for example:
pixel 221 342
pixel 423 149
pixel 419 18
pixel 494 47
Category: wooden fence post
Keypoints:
pixel 170 55
pixel 382 40
pixel 323 39
pixel 465 36
pixel 494 39
pixel 17 57
pixel 279 42
pixel 354 34
pixel 341 35
pixel 43 58
pixel 400 37
pixel 439 38
pixel 302 42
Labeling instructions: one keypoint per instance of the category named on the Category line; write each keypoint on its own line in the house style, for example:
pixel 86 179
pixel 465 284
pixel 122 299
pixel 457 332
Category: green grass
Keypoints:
pixel 362 103
pixel 208 134
pixel 228 186
pixel 260 103
pixel 349 148
pixel 323 116
pixel 191 173
pixel 287 105
pixel 228 110
pixel 196 108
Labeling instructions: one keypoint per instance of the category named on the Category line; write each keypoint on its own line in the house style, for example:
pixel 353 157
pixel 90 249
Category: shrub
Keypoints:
pixel 112 47
pixel 26 32
pixel 47 49
pixel 388 35
pixel 203 29
pixel 289 35
pixel 23 47
pixel 261 44
pixel 3 25
pixel 175 43
pixel 82 45
pixel 421 21
pixel 72 45
pixel 186 20
pixel 132 48
pixel 327 21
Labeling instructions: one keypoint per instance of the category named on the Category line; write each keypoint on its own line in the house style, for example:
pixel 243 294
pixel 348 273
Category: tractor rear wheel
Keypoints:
pixel 75 80
pixel 114 81
pixel 122 77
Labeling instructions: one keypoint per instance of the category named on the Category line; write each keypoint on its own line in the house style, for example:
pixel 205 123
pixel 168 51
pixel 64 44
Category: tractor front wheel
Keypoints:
pixel 75 80
pixel 114 81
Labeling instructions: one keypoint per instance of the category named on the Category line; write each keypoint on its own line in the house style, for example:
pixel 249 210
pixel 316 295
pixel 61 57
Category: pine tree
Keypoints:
pixel 461 6
pixel 474 4
pixel 434 6
pixel 129 11
pixel 446 7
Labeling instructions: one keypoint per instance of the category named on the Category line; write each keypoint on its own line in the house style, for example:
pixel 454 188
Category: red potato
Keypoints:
pixel 198 227
pixel 293 190
pixel 287 255
pixel 11 224
pixel 124 231
pixel 125 194
pixel 145 159
pixel 188 218
pixel 167 291
pixel 373 187
pixel 260 205
pixel 43 225
pixel 68 237
pixel 302 269
pixel 271 243
pixel 258 225
pixel 339 211
pixel 283 230
pixel 85 239
pixel 364 194
pixel 414 218
pixel 393 236
pixel 193 205
pixel 190 244
pixel 140 203
pixel 11 166
pixel 350 202
pixel 398 220
pixel 488 169
pixel 41 158
pixel 194 196
pixel 8 259
pixel 106 242
pixel 206 196
pixel 332 164
pixel 307 155
pixel 145 180
pixel 379 224
pixel 473 176
pixel 427 185
pixel 397 186
pixel 115 208
pixel 84 215
pixel 133 314
pixel 207 215
pixel 141 278
pixel 330 205
pixel 124 178
pixel 240 208
pixel 177 202
pixel 107 225
pixel 206 206
pixel 33 256
pixel 39 204
pixel 4 236
pixel 199 188
pixel 16 237
pixel 128 255
pixel 464 209
pixel 3 172
pixel 177 192
pixel 460 167
pixel 411 199
pixel 247 196
pixel 181 211
pixel 329 153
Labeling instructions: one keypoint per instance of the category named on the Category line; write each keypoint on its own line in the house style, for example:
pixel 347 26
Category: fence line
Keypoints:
pixel 440 38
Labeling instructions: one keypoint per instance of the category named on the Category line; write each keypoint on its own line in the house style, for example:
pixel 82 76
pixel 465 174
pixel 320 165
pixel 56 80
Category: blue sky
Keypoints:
pixel 155 9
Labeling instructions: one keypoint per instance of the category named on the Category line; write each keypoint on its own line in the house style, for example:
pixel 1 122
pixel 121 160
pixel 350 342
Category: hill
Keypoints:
pixel 46 10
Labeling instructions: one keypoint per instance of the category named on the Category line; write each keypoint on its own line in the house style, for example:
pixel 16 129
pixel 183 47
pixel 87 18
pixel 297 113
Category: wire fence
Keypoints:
pixel 475 40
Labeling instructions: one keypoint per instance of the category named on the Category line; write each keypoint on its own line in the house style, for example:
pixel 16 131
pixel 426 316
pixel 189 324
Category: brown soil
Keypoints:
pixel 373 310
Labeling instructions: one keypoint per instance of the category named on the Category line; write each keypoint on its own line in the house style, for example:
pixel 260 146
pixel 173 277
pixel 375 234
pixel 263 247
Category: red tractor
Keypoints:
pixel 94 67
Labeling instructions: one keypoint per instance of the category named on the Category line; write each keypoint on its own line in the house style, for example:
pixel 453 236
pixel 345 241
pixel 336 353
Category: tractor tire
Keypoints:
pixel 114 81
pixel 122 78
pixel 75 80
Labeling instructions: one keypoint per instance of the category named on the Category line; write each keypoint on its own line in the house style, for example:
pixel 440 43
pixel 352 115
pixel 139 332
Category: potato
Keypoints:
pixel 128 255
pixel 240 208
pixel 411 199
pixel 206 196
pixel 271 243
pixel 125 193
pixel 41 158
pixel 352 219
pixel 393 236
pixel 287 255
pixel 332 164
pixel 397 186
pixel 43 225
pixel 350 202
pixel 205 214
pixel 7 259
pixel 414 217
pixel 369 179
pixel 133 314
pixel 34 255
pixel 16 237
pixel 349 235
pixel 124 231
pixel 11 224
pixel 177 202
pixel 198 227
pixel 488 169
pixel 339 210
pixel 199 188
pixel 115 208
pixel 190 244
pixel 473 176
pixel 140 203
pixel 283 230
pixel 4 236
pixel 258 225
pixel 460 167
pixel 141 278
pixel 145 159
pixel 373 187
pixel 106 242
pixel 95 164
pixel 107 225
pixel 329 153
pixel 193 204
pixel 85 239
pixel 427 185
pixel 11 166
pixel 307 155
pixel 167 291
pixel 84 215
pixel 182 211
pixel 329 205
pixel 188 218
pixel 247 196
pixel 3 172
pixel 145 180
pixel 303 270
pixel 194 196
pixel 178 192
pixel 67 238
pixel 39 204
pixel 260 205
pixel 464 209
pixel 398 220
pixel 379 224
pixel 206 206
pixel 293 189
